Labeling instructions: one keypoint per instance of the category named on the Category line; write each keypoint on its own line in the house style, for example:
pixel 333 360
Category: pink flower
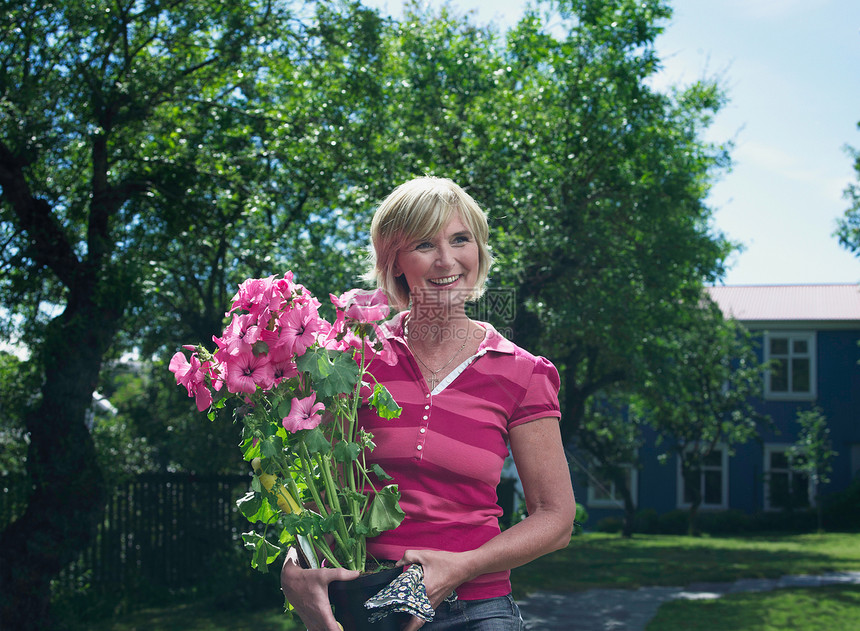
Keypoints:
pixel 373 347
pixel 242 333
pixel 246 371
pixel 298 327
pixel 254 295
pixel 362 306
pixel 282 363
pixel 193 376
pixel 304 414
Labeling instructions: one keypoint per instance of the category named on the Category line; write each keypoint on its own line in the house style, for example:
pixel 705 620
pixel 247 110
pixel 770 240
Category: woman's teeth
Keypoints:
pixel 444 281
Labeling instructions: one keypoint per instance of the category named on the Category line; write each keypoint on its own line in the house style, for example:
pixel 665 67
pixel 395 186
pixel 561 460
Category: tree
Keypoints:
pixel 134 152
pixel 699 397
pixel 594 182
pixel 812 453
pixel 848 227
pixel 611 436
pixel 597 183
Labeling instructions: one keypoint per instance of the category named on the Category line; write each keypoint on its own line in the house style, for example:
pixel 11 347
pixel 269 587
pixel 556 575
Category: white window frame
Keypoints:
pixel 809 337
pixel 724 482
pixel 770 448
pixel 614 501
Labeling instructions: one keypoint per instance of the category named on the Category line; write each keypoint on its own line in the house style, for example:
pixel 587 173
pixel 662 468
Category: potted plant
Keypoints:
pixel 298 381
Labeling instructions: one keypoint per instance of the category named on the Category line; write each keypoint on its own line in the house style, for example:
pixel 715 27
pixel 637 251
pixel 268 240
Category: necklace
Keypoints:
pixel 433 381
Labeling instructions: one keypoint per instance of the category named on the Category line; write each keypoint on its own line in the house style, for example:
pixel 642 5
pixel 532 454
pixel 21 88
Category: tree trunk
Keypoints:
pixel 692 477
pixel 629 510
pixel 69 490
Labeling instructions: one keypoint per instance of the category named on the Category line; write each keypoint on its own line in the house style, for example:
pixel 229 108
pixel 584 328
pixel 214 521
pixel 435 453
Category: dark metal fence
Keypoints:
pixel 160 529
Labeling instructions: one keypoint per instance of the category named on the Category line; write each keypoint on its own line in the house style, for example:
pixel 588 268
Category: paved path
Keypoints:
pixel 631 609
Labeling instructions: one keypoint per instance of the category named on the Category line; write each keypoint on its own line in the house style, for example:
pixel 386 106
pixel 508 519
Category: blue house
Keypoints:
pixel 811 334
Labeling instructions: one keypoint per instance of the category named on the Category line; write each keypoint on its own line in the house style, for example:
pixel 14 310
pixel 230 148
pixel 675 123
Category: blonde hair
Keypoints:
pixel 416 210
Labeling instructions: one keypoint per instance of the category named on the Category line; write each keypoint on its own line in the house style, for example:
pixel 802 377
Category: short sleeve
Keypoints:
pixel 540 399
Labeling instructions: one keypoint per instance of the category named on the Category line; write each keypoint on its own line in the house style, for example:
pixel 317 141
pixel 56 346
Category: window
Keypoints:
pixel 792 372
pixel 604 493
pixel 784 487
pixel 712 482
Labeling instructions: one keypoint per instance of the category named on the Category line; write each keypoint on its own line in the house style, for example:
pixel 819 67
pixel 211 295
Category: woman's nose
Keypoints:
pixel 445 256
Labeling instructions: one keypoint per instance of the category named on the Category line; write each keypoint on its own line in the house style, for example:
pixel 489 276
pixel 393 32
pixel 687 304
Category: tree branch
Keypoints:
pixel 48 242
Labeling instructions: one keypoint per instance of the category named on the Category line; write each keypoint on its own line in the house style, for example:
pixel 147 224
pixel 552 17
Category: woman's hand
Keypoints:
pixel 444 572
pixel 307 591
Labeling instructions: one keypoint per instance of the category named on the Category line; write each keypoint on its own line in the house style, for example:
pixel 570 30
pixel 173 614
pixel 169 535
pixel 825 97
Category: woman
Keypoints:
pixel 467 393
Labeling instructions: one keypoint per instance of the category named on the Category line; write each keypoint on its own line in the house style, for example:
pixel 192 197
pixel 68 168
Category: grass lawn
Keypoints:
pixel 597 560
pixel 829 608
pixel 200 616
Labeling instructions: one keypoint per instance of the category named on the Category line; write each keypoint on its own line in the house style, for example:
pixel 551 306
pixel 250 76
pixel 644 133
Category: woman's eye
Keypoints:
pixel 461 239
pixel 425 245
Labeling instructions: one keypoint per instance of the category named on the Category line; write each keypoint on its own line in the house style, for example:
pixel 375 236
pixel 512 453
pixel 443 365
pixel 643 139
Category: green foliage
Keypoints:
pixel 581 518
pixel 161 425
pixel 813 451
pixel 19 381
pixel 596 190
pixel 611 437
pixel 152 156
pixel 700 390
pixel 848 227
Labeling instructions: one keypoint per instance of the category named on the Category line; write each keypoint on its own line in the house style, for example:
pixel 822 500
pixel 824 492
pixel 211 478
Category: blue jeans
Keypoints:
pixel 491 614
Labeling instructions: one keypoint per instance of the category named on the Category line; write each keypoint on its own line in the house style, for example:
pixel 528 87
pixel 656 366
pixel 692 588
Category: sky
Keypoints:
pixel 791 69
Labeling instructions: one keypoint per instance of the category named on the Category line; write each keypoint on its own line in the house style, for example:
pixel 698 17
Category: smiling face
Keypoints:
pixel 417 208
pixel 443 269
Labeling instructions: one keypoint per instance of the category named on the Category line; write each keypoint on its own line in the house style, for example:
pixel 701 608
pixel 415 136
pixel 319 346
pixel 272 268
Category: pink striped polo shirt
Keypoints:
pixel 446 450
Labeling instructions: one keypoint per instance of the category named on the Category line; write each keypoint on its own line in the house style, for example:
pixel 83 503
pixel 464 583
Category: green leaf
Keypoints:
pixel 256 508
pixel 384 404
pixel 379 472
pixel 315 441
pixel 365 439
pixel 346 452
pixel 385 512
pixel 250 449
pixel 330 522
pixel 332 372
pixel 265 552
pixel 284 408
pixel 268 449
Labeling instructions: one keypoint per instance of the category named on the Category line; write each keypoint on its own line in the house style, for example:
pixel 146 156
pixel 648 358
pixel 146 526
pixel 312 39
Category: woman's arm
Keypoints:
pixel 538 453
pixel 307 591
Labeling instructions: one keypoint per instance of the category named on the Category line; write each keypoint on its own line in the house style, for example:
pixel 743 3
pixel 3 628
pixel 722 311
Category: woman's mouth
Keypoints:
pixel 447 280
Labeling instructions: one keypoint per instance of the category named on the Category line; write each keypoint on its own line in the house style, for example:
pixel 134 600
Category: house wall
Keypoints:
pixel 838 396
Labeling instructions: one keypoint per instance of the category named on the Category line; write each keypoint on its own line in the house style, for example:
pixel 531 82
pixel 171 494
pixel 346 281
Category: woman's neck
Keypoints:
pixel 437 324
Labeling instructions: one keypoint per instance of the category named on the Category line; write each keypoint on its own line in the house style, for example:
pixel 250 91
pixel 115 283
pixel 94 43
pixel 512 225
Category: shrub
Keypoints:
pixel 646 522
pixel 610 524
pixel 727 522
pixel 674 522
pixel 581 517
pixel 842 509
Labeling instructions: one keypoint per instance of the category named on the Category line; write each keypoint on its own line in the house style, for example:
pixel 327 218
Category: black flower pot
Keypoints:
pixel 348 598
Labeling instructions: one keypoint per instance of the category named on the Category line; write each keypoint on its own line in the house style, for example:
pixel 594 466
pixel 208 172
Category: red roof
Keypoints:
pixel 789 302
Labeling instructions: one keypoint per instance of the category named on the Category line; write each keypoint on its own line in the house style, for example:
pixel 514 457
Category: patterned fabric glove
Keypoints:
pixel 405 594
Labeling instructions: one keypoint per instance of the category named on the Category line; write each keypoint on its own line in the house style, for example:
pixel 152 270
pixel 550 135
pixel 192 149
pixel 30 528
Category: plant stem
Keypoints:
pixel 325 463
